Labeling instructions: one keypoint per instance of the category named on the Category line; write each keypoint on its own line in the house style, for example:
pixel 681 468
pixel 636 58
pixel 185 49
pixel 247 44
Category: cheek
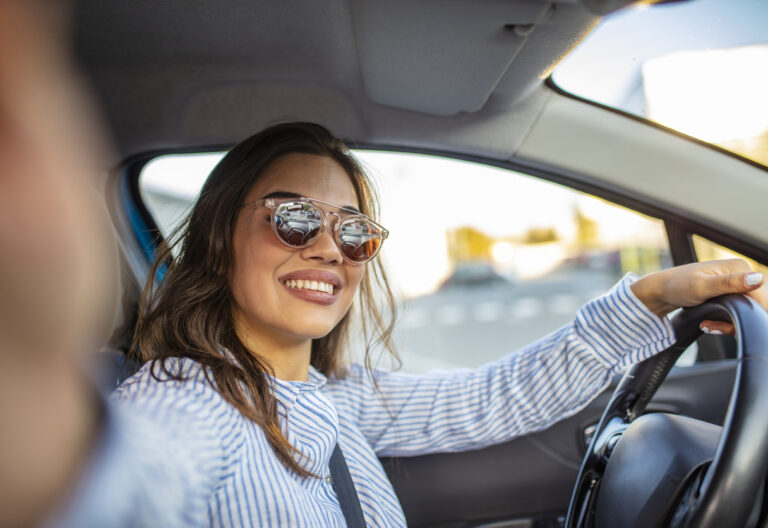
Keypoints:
pixel 253 281
pixel 248 274
pixel 354 278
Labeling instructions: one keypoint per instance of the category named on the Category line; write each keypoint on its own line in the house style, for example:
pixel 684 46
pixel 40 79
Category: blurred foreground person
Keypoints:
pixel 66 458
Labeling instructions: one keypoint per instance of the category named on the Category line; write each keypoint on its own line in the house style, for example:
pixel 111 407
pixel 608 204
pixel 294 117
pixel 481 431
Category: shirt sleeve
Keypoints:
pixel 165 448
pixel 522 392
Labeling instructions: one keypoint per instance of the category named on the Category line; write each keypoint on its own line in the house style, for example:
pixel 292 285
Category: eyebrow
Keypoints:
pixel 287 194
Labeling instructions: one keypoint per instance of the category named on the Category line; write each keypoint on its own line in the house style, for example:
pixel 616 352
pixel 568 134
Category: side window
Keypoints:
pixel 484 260
pixel 708 250
pixel 170 185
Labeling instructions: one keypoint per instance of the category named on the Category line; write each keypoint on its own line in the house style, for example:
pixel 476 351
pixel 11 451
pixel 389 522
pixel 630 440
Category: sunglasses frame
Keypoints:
pixel 273 203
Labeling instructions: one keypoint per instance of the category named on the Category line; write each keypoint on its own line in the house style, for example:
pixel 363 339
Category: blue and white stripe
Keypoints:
pixel 245 485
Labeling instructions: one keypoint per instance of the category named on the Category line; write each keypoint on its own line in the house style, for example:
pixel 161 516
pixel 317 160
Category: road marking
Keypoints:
pixel 450 315
pixel 488 312
pixel 525 308
pixel 516 312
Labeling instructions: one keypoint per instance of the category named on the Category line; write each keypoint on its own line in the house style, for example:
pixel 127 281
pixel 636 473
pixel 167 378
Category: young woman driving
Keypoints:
pixel 243 341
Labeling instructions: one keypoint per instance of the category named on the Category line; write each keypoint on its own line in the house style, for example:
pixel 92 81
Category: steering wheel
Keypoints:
pixel 660 469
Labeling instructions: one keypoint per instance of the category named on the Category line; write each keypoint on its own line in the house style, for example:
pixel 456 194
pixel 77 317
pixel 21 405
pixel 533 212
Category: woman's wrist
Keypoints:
pixel 649 290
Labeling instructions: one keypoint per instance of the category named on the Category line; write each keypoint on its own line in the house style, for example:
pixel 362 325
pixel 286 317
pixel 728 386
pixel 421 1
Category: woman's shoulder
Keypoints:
pixel 176 399
pixel 177 384
pixel 356 381
pixel 359 375
pixel 173 372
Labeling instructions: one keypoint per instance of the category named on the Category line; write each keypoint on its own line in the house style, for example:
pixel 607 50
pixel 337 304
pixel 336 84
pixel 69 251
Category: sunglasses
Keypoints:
pixel 299 222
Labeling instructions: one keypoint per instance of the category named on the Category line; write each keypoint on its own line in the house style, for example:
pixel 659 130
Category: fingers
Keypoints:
pixel 753 279
pixel 717 328
pixel 695 283
pixel 760 294
pixel 735 282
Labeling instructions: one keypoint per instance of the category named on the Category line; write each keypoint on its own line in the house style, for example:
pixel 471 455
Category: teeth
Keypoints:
pixel 310 285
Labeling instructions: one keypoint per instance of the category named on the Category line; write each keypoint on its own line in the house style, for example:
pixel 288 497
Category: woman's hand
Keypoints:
pixel 692 284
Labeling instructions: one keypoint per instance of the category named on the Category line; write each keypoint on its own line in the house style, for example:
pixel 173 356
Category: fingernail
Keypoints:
pixel 753 278
pixel 705 329
pixel 715 332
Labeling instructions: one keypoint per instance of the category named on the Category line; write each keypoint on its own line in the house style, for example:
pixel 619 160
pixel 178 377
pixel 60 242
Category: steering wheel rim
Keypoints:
pixel 739 466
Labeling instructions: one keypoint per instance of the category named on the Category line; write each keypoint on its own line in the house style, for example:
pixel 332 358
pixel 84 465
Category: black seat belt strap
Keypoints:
pixel 345 490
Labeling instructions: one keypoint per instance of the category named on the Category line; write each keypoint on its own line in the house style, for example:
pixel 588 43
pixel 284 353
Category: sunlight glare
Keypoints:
pixel 715 95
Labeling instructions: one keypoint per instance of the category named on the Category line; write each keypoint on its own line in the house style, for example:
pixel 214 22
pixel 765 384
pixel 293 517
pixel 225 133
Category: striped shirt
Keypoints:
pixel 238 481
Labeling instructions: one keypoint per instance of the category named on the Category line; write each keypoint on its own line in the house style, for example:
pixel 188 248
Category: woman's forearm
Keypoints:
pixel 522 392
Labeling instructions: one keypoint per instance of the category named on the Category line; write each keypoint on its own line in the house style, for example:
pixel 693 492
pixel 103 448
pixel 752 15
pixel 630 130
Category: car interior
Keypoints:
pixel 461 80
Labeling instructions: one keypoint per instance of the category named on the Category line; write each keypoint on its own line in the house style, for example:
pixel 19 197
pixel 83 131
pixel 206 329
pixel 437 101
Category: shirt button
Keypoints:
pixel 328 479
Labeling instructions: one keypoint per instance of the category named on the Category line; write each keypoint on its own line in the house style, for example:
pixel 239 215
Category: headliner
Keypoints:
pixel 452 75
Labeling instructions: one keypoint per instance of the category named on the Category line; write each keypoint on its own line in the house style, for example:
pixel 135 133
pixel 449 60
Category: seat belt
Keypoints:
pixel 345 490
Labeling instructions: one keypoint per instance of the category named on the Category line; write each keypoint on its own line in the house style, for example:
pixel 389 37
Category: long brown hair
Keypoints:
pixel 188 312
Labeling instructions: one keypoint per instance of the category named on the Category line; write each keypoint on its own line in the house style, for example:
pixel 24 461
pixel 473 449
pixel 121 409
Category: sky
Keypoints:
pixel 609 60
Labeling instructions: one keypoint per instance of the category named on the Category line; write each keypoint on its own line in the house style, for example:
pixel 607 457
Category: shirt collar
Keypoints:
pixel 287 392
pixel 316 378
pixel 315 381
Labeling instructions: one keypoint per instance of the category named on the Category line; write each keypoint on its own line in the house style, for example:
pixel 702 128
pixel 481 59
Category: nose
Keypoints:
pixel 325 248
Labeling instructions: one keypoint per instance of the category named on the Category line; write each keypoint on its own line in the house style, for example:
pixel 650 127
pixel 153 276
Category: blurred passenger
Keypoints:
pixel 66 457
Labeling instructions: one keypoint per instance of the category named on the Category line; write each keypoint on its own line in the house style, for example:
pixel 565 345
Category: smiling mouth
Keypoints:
pixel 311 285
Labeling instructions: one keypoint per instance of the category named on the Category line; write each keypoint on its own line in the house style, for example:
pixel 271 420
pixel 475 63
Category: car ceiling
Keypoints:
pixel 452 75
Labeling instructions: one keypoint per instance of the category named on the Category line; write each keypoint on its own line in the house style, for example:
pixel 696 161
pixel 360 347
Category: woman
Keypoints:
pixel 243 342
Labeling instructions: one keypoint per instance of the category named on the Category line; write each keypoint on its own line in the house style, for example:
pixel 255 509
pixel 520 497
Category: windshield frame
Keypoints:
pixel 552 84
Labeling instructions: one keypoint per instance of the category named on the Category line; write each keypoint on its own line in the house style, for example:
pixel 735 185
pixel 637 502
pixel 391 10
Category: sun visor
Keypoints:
pixel 440 57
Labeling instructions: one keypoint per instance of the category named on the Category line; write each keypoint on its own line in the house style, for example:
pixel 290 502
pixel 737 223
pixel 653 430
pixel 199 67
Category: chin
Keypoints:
pixel 311 330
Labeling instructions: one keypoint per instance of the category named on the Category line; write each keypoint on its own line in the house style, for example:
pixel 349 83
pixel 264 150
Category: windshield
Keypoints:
pixel 698 67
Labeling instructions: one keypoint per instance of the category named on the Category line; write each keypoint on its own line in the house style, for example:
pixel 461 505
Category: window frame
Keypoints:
pixel 551 84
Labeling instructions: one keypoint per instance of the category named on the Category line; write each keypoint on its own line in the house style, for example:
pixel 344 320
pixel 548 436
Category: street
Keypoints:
pixel 467 326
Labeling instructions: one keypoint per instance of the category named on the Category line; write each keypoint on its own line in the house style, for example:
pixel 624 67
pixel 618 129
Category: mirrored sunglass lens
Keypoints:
pixel 298 223
pixel 359 239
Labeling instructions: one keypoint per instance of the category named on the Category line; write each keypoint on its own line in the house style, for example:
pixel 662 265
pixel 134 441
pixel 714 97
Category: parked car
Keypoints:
pixel 474 274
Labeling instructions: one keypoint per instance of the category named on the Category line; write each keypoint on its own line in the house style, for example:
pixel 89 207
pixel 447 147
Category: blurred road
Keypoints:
pixel 467 326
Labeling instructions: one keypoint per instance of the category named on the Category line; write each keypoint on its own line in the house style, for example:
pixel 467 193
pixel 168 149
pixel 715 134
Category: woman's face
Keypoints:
pixel 264 302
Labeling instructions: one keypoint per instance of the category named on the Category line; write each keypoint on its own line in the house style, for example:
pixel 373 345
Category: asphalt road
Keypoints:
pixel 467 326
